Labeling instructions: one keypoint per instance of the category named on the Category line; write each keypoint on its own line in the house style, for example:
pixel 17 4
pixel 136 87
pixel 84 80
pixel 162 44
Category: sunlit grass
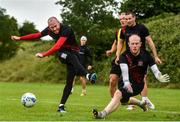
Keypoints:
pixel 79 108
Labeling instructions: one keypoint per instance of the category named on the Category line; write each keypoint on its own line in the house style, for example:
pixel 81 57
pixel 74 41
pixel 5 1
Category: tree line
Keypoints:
pixel 96 20
pixel 9 26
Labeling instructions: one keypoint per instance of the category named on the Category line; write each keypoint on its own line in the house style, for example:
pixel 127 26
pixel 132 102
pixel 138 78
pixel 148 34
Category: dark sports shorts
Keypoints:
pixel 115 69
pixel 137 88
pixel 65 56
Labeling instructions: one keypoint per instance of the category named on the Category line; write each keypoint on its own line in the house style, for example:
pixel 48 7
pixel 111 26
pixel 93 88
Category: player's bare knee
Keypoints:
pixel 113 79
pixel 118 94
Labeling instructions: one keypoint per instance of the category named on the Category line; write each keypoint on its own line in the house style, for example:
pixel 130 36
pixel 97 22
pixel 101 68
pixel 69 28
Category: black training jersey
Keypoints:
pixel 138 29
pixel 65 31
pixel 137 64
pixel 85 56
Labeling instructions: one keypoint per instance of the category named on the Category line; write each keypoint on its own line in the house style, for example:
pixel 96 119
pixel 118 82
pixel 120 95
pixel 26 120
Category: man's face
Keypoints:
pixel 122 20
pixel 131 20
pixel 134 44
pixel 83 42
pixel 54 26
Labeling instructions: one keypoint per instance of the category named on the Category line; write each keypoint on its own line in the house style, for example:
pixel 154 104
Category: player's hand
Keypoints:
pixel 158 60
pixel 127 86
pixel 117 60
pixel 39 55
pixel 108 52
pixel 89 67
pixel 163 78
pixel 15 38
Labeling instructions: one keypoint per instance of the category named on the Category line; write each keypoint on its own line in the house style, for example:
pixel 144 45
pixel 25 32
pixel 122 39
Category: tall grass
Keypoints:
pixel 25 67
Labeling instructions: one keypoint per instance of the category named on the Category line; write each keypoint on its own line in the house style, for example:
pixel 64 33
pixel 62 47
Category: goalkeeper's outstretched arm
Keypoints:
pixel 162 78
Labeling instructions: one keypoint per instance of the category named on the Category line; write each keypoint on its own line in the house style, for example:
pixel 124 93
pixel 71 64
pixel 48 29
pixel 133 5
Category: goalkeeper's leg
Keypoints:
pixel 111 107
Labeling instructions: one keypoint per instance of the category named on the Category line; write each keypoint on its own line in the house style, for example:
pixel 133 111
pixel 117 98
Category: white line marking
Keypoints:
pixel 52 102
pixel 85 105
pixel 167 112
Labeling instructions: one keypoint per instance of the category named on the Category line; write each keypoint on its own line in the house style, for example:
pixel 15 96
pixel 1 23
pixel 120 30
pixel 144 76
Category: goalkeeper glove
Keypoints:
pixel 128 87
pixel 163 78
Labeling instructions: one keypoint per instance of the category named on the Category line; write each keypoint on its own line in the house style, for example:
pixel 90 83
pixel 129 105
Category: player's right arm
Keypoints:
pixel 15 38
pixel 125 73
pixel 113 48
pixel 27 37
pixel 125 77
pixel 119 49
pixel 32 36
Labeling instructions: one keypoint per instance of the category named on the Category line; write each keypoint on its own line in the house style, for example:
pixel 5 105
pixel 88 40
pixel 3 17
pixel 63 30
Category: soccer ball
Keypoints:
pixel 28 99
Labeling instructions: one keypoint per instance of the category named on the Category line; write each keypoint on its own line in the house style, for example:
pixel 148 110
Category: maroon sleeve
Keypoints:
pixel 56 47
pixel 31 36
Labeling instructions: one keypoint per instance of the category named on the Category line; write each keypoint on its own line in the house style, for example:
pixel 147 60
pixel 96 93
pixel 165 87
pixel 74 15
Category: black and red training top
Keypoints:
pixel 64 39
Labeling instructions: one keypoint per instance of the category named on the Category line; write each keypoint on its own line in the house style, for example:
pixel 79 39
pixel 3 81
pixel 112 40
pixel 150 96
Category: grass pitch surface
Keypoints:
pixel 167 102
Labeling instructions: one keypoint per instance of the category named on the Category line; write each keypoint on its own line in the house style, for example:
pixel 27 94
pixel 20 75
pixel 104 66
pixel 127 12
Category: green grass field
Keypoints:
pixel 79 108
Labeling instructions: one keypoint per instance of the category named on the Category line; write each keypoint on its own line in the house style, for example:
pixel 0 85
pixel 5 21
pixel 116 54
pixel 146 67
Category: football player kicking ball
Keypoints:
pixel 68 52
pixel 133 64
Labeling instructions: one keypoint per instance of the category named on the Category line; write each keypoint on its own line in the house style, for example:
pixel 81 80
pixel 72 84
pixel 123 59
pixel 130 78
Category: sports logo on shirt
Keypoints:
pixel 140 63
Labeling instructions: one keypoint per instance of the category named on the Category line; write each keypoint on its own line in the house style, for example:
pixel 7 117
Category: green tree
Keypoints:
pixel 8 27
pixel 27 28
pixel 149 8
pixel 93 18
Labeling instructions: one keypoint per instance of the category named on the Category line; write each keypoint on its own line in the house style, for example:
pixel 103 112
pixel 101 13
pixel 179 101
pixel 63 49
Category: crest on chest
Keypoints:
pixel 140 63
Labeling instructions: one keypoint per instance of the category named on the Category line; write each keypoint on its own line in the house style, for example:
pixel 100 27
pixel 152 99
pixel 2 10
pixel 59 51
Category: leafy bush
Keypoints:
pixel 166 35
pixel 8 27
pixel 165 31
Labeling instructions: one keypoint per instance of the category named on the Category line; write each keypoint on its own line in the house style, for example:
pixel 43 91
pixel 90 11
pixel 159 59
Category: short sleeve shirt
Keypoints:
pixel 138 29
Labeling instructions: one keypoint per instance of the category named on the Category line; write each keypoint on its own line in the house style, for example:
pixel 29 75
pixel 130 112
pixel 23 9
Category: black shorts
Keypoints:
pixel 137 88
pixel 66 55
pixel 72 61
pixel 115 69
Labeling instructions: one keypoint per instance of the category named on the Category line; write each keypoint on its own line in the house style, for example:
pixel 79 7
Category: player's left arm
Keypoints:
pixel 89 56
pixel 155 70
pixel 153 48
pixel 65 34
pixel 162 78
pixel 56 47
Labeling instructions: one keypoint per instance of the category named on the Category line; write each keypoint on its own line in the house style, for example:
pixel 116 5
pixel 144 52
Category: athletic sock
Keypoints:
pixel 138 103
pixel 144 98
pixel 61 105
pixel 72 90
pixel 83 90
pixel 103 114
pixel 87 76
